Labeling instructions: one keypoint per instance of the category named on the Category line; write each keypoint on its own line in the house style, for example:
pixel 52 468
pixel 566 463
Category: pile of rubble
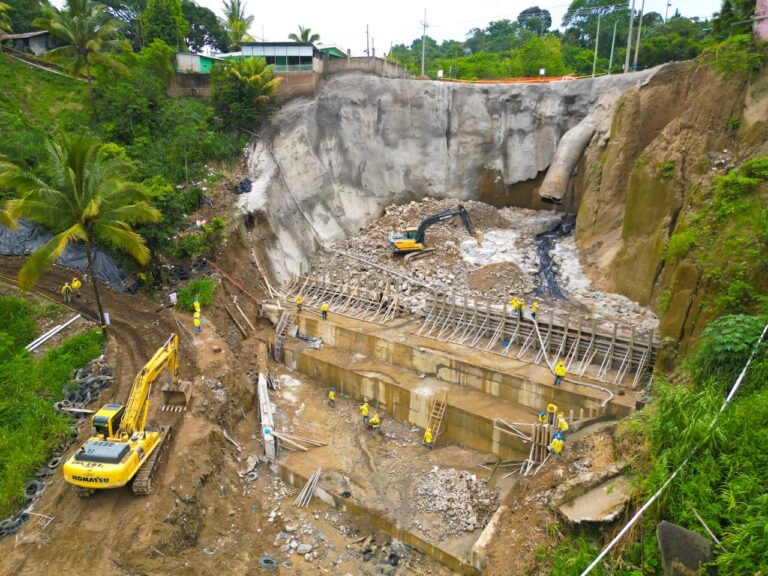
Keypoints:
pixel 462 500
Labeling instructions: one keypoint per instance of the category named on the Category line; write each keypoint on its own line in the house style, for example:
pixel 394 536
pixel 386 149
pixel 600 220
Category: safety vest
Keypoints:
pixel 560 370
pixel 196 305
pixel 324 308
pixel 562 424
pixel 364 409
pixel 375 421
pixel 76 284
pixel 551 408
pixel 331 395
pixel 66 289
pixel 427 437
pixel 514 303
pixel 299 300
pixel 557 445
pixel 196 321
pixel 535 307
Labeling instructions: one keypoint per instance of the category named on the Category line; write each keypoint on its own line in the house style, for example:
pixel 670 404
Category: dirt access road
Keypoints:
pixel 82 537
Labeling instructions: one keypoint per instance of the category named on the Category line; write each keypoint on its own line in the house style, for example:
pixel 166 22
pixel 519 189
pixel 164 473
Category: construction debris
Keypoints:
pixel 306 494
pixel 460 498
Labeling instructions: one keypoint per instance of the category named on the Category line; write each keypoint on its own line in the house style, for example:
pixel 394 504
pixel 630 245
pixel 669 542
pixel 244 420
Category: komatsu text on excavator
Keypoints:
pixel 122 448
pixel 413 239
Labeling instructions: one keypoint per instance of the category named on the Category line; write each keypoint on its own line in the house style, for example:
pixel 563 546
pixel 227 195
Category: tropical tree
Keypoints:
pixel 242 91
pixel 87 200
pixel 205 29
pixel 236 22
pixel 23 12
pixel 5 22
pixel 164 20
pixel 87 33
pixel 535 19
pixel 304 35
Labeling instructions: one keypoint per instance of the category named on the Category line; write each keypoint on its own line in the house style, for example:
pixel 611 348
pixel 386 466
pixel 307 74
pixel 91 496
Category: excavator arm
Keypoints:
pixel 445 215
pixel 137 407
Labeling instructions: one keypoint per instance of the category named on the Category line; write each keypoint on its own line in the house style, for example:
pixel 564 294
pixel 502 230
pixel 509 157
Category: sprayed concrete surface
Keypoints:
pixel 325 167
pixel 602 503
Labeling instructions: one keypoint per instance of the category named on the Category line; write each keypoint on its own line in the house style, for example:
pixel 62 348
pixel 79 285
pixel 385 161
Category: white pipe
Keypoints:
pixel 50 334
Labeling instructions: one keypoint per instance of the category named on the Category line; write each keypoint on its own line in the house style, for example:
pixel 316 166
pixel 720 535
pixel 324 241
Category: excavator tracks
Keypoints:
pixel 142 482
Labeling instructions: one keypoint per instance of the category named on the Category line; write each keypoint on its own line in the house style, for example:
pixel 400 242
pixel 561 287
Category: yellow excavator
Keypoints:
pixel 122 448
pixel 413 239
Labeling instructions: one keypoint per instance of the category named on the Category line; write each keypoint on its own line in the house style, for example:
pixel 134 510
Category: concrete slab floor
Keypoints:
pixel 380 473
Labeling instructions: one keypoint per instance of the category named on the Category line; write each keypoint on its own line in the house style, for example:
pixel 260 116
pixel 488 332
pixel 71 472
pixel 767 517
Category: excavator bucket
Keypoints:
pixel 176 396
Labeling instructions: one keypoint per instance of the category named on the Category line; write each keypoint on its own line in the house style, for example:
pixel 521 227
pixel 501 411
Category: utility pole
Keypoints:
pixel 613 45
pixel 629 37
pixel 262 32
pixel 367 42
pixel 597 44
pixel 666 11
pixel 423 37
pixel 373 47
pixel 639 29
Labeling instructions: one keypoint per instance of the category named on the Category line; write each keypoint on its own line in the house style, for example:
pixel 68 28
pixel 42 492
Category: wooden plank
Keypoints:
pixel 234 319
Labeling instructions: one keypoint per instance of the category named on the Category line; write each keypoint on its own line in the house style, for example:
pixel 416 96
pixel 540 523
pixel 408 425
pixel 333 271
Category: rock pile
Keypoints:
pixel 462 500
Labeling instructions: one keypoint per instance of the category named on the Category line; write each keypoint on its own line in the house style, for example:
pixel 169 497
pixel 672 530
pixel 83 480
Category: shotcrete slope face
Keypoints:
pixel 325 167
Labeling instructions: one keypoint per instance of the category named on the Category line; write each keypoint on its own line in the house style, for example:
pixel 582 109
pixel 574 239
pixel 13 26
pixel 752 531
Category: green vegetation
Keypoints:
pixel 87 200
pixel 681 243
pixel 236 22
pixel 5 19
pixel 202 288
pixel 241 92
pixel 164 20
pixel 736 56
pixel 667 169
pixel 30 428
pixel 304 35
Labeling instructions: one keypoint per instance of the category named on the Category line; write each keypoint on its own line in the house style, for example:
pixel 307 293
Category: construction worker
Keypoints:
pixel 299 301
pixel 534 309
pixel 332 397
pixel 559 372
pixel 551 413
pixel 66 292
pixel 196 304
pixel 196 322
pixel 556 446
pixel 375 423
pixel 562 425
pixel 76 286
pixel 513 303
pixel 520 308
pixel 542 417
pixel 428 438
pixel 364 412
pixel 324 310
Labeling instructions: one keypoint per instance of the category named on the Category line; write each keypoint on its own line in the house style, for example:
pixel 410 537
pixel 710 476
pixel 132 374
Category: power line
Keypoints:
pixel 658 493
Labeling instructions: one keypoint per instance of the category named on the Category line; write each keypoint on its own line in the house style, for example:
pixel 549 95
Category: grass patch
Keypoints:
pixel 203 288
pixel 29 426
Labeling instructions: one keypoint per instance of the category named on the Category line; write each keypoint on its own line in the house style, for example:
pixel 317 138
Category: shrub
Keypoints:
pixel 680 244
pixel 203 288
pixel 756 168
pixel 736 56
pixel 16 322
pixel 667 169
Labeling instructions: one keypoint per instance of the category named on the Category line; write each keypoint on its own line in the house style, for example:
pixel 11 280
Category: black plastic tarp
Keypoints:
pixel 28 237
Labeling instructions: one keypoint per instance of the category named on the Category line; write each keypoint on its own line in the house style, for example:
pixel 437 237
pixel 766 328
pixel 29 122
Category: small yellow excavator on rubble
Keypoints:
pixel 413 240
pixel 122 448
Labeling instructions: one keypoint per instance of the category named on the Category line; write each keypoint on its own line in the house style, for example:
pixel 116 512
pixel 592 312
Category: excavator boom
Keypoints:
pixel 413 240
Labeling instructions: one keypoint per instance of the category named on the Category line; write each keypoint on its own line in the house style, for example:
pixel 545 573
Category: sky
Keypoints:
pixel 343 22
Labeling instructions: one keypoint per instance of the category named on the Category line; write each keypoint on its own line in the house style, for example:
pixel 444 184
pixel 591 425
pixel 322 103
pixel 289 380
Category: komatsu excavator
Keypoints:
pixel 122 448
pixel 413 239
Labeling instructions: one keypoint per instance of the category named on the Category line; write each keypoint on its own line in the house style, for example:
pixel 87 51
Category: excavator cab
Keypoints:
pixel 410 232
pixel 106 421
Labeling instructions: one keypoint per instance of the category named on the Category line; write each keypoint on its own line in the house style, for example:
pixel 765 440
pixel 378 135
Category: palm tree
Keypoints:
pixel 87 200
pixel 257 74
pixel 88 32
pixel 5 22
pixel 236 22
pixel 305 35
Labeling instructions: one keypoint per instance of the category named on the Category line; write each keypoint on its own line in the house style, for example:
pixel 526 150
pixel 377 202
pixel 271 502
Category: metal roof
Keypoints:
pixel 286 43
pixel 23 35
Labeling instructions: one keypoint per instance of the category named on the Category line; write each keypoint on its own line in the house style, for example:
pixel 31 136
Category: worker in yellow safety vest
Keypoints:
pixel 428 438
pixel 562 425
pixel 76 286
pixel 559 372
pixel 552 413
pixel 324 310
pixel 534 309
pixel 364 412
pixel 196 304
pixel 375 423
pixel 542 417
pixel 66 292
pixel 332 397
pixel 299 301
pixel 196 322
pixel 556 446
pixel 513 303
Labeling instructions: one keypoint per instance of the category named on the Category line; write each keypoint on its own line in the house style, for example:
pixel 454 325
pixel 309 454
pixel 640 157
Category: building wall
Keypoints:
pixel 190 85
pixel 761 20
pixel 297 84
pixel 187 63
pixel 38 45
pixel 377 66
